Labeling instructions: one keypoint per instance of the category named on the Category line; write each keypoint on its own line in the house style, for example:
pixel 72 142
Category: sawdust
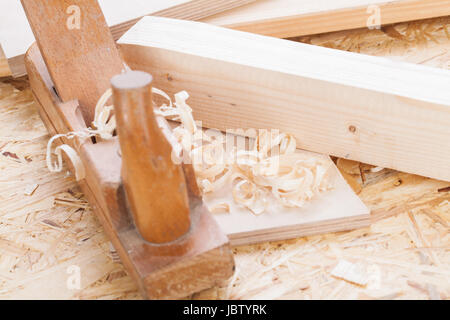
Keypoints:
pixel 404 253
pixel 425 42
pixel 50 227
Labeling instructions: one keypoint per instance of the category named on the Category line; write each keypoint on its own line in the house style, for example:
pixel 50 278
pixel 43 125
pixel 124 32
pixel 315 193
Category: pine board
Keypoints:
pixel 389 114
pixel 4 67
pixel 292 18
pixel 16 36
pixel 338 209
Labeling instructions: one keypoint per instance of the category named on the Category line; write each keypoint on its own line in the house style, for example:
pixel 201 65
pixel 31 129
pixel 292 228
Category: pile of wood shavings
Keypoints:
pixel 270 167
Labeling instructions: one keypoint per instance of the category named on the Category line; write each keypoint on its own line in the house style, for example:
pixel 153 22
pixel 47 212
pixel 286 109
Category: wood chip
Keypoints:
pixel 29 190
pixel 350 272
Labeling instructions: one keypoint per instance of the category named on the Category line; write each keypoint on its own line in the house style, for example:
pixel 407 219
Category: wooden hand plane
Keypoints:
pixel 150 207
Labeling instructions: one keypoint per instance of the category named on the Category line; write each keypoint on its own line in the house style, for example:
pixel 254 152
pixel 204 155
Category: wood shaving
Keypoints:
pixel 271 165
pixel 220 208
pixel 30 189
pixel 104 124
pixel 350 272
pixel 69 151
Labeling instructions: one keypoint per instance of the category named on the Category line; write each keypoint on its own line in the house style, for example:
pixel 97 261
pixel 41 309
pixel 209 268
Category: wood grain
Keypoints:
pixel 4 67
pixel 281 270
pixel 16 35
pixel 385 244
pixel 186 10
pixel 385 113
pixel 334 210
pixel 155 186
pixel 292 18
pixel 72 56
pixel 191 263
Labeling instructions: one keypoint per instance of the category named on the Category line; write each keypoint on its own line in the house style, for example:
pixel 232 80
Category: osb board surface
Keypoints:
pixel 404 254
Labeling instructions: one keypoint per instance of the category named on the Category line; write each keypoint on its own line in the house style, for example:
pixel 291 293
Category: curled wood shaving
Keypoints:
pixel 104 121
pixel 271 166
pixel 69 151
pixel 104 124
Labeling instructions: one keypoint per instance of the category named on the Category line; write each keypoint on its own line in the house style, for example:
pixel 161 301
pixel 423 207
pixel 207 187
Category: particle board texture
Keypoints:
pixel 389 114
pixel 16 35
pixel 289 18
pixel 47 229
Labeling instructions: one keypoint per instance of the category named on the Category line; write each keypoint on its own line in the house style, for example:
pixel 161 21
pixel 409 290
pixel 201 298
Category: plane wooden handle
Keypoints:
pixel 155 186
pixel 77 47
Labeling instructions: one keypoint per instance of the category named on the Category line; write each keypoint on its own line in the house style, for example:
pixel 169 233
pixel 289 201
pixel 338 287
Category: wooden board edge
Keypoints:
pixel 310 229
pixel 185 11
pixel 343 19
pixel 5 70
pixel 194 10
pixel 17 66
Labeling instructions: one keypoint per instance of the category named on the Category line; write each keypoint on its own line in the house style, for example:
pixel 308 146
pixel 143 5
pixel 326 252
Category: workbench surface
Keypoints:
pixel 48 232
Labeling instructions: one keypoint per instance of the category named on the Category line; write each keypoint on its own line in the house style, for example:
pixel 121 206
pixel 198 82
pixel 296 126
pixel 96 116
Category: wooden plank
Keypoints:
pixel 16 35
pixel 385 247
pixel 73 59
pixel 291 18
pixel 338 209
pixel 180 9
pixel 385 113
pixel 4 67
